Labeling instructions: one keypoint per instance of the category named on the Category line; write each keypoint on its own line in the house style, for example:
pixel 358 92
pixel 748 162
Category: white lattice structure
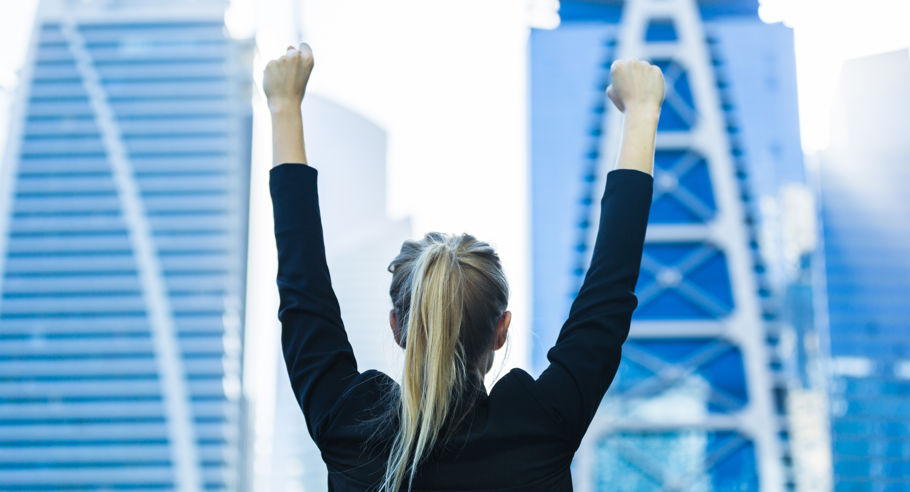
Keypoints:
pixel 692 407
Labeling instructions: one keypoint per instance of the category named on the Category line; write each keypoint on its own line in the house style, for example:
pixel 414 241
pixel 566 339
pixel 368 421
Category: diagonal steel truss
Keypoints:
pixel 719 230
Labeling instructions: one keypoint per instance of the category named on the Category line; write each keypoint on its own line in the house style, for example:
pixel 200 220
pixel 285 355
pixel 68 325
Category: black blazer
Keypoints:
pixel 520 436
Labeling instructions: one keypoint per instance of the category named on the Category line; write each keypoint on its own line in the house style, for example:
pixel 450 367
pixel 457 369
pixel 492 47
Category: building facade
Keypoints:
pixel 123 233
pixel 699 402
pixel 861 182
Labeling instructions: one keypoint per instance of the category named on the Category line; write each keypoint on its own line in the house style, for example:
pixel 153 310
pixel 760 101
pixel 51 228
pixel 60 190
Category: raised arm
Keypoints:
pixel 318 355
pixel 586 356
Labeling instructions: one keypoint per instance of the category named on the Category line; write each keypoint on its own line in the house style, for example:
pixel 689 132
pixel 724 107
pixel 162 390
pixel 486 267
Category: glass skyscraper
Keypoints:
pixel 123 233
pixel 862 181
pixel 699 403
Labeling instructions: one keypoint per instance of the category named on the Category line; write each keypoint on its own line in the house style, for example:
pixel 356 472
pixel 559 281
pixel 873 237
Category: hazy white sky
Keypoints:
pixel 826 33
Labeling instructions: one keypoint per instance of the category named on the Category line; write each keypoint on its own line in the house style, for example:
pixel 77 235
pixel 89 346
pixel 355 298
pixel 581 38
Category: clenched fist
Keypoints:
pixel 636 85
pixel 285 77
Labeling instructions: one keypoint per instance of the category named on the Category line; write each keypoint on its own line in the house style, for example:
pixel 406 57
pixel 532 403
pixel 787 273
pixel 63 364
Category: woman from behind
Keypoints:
pixel 439 429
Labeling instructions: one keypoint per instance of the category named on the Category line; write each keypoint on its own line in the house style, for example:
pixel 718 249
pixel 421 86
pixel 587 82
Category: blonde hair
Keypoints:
pixel 448 293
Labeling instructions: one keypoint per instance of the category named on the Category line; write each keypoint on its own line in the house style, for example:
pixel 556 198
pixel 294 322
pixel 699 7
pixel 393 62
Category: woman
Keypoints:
pixel 440 430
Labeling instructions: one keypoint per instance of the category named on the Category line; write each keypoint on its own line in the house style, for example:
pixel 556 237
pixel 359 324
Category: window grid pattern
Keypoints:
pixel 81 395
pixel 868 284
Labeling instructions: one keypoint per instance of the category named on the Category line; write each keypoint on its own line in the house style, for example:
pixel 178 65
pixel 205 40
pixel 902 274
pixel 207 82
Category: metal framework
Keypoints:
pixel 693 400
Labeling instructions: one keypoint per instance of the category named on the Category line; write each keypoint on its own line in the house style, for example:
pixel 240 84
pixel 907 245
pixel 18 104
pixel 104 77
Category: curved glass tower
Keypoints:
pixel 123 232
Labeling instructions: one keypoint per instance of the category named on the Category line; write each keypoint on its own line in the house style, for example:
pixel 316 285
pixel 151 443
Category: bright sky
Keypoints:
pixel 827 32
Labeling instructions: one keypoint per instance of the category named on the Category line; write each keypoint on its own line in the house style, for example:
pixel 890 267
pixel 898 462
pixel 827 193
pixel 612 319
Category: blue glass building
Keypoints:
pixel 700 399
pixel 862 183
pixel 123 232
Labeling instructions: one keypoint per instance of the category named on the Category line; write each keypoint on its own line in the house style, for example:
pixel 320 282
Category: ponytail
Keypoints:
pixel 448 292
pixel 433 361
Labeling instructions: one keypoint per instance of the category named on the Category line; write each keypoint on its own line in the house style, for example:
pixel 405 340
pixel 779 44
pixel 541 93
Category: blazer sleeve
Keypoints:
pixel 318 355
pixel 586 356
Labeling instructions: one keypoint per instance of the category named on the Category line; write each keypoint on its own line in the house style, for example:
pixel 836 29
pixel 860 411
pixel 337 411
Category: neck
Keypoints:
pixel 475 381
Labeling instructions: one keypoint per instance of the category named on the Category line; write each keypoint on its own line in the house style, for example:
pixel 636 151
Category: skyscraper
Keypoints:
pixel 862 180
pixel 699 402
pixel 123 219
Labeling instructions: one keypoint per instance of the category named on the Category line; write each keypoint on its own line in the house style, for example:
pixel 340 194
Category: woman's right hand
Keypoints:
pixel 284 83
pixel 286 77
pixel 636 85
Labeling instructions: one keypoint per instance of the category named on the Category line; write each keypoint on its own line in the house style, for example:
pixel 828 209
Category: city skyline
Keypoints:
pixel 442 132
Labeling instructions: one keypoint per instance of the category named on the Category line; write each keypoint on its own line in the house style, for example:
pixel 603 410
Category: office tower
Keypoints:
pixel 862 181
pixel 361 240
pixel 699 401
pixel 123 219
